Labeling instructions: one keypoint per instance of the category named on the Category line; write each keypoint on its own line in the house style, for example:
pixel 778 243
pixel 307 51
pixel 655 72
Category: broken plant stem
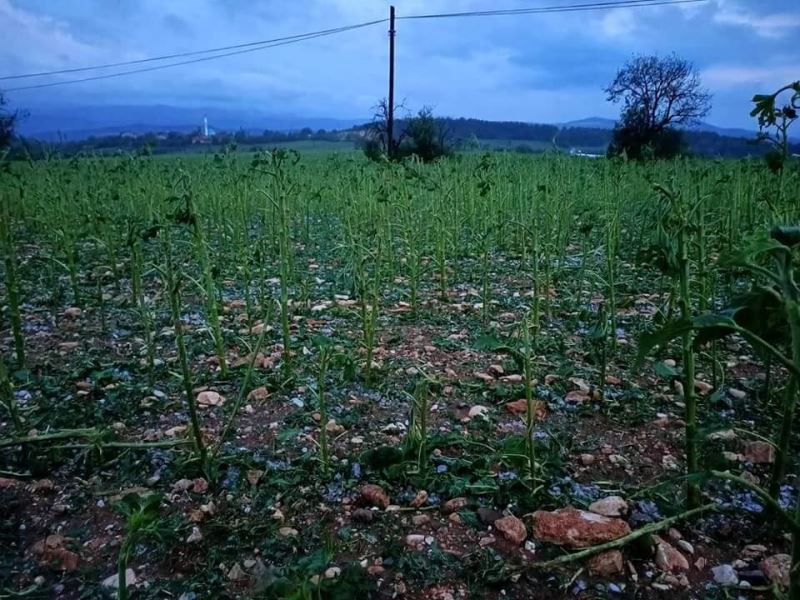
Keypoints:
pixel 243 390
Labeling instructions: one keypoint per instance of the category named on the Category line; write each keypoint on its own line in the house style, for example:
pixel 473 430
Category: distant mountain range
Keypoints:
pixel 81 122
pixel 602 123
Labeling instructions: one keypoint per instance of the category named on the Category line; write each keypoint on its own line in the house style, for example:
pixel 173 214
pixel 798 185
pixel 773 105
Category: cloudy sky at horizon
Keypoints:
pixel 539 68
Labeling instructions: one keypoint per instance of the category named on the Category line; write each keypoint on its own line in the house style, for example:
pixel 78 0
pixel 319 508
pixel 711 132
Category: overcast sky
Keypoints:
pixel 541 68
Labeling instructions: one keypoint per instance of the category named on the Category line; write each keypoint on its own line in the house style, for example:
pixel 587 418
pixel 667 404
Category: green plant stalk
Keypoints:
pixel 173 285
pixel 441 256
pixel 582 269
pixel 536 285
pixel 603 368
pixel 136 273
pixel 414 277
pixel 243 390
pixel 122 567
pixel 72 267
pixel 781 463
pixel 530 408
pixel 12 286
pixel 689 398
pixel 485 285
pixel 418 433
pixel 210 290
pixel 285 258
pixel 324 451
pixel 611 267
pixel 102 306
pixel 369 316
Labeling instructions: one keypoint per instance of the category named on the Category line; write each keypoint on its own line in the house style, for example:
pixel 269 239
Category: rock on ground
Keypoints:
pixel 375 496
pixel 607 564
pixel 612 506
pixel 577 528
pixel 725 575
pixel 112 582
pixel 669 559
pixel 512 528
pixel 777 568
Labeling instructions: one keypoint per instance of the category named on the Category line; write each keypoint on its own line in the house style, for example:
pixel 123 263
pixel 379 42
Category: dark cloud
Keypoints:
pixel 534 68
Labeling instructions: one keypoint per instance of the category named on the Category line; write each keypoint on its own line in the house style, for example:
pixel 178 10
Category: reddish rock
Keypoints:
pixel 669 559
pixel 577 396
pixel 52 551
pixel 607 564
pixel 777 568
pixel 576 528
pixel 420 499
pixel 512 528
pixel 759 453
pixel 520 407
pixel 375 496
pixel 454 505
pixel 259 394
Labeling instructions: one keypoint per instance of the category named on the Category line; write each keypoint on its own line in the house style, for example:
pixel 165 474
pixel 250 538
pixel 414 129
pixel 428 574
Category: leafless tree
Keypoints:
pixel 661 91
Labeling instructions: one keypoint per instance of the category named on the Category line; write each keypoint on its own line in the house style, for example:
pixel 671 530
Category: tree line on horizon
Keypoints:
pixel 661 98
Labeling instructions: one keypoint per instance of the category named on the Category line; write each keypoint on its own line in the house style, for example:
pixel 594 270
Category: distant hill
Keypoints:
pixel 81 122
pixel 118 126
pixel 591 123
pixel 603 123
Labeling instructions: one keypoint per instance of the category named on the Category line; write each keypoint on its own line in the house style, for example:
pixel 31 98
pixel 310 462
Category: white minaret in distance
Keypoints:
pixel 205 126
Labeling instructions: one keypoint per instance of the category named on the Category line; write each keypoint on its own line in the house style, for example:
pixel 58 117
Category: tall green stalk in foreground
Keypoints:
pixel 278 194
pixel 689 397
pixel 676 223
pixel 755 316
pixel 209 285
pixel 172 281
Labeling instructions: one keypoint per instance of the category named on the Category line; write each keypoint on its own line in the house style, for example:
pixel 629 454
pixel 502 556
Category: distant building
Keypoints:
pixel 204 137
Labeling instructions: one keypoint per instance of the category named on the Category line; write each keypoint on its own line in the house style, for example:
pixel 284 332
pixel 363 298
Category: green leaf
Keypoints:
pixel 662 336
pixel 753 249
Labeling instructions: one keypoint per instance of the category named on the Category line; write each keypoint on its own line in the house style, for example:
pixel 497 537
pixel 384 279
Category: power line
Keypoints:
pixel 264 46
pixel 264 43
pixel 283 41
pixel 555 9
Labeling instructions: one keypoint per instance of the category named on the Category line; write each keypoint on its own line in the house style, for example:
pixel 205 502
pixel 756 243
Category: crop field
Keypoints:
pixel 307 376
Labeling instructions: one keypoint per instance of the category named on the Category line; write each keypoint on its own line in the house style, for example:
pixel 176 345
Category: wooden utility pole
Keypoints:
pixel 390 114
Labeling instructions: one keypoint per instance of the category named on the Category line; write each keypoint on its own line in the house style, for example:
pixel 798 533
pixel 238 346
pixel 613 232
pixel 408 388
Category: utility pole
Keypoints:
pixel 390 115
